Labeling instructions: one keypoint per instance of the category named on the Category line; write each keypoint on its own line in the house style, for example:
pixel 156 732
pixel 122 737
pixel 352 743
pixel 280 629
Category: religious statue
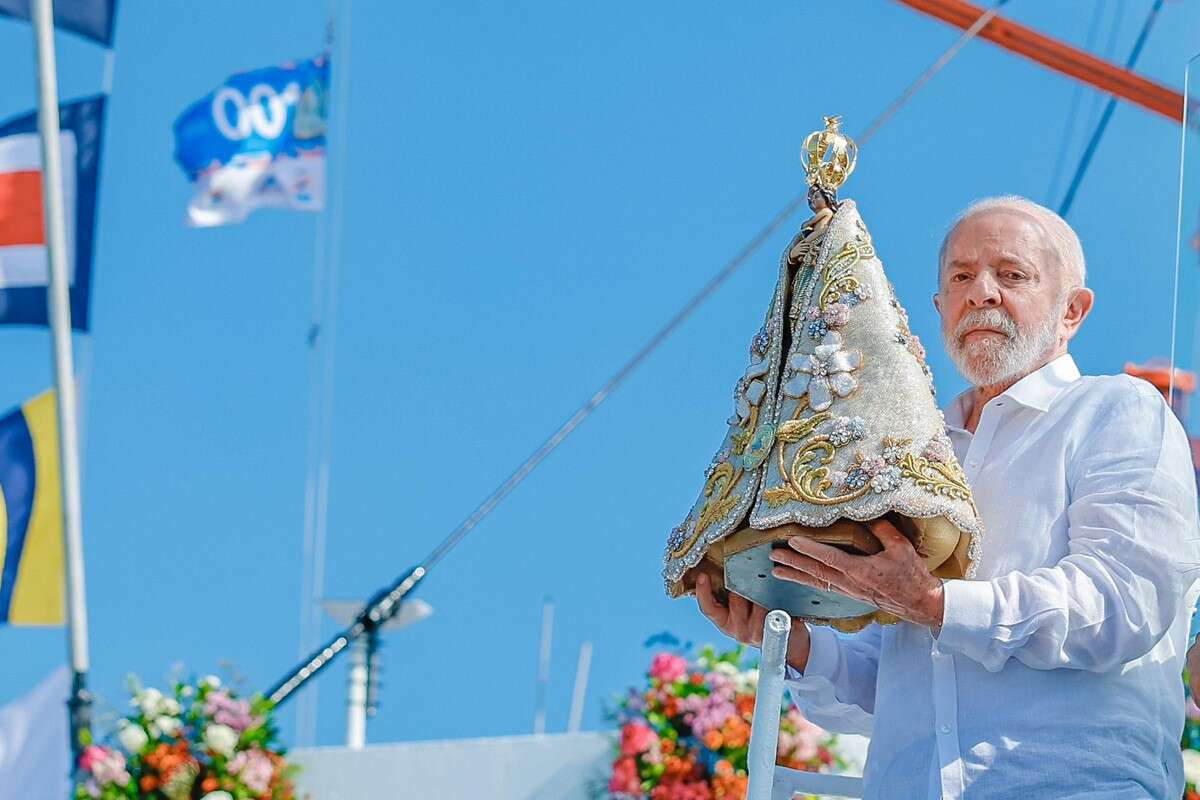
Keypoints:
pixel 834 424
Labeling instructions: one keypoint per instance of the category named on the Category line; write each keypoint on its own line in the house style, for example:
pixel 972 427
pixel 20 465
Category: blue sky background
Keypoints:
pixel 531 188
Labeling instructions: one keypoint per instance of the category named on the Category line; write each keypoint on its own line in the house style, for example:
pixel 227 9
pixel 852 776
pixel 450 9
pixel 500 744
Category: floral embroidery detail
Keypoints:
pixel 823 320
pixel 759 344
pixel 823 374
pixel 846 430
pixel 678 535
pixel 916 348
pixel 886 480
pixel 856 478
pixel 939 450
pixel 901 338
pixel 894 449
pixel 855 297
pixel 872 465
pixel 749 391
pixel 838 479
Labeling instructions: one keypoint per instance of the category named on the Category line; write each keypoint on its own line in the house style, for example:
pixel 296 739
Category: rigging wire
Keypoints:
pixel 1106 117
pixel 387 602
pixel 1073 108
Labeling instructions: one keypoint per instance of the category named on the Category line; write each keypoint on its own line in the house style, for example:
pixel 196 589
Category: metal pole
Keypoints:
pixel 581 680
pixel 356 705
pixel 543 674
pixel 60 326
pixel 764 730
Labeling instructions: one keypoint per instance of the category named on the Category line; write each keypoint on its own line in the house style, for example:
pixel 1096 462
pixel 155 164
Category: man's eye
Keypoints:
pixel 959 277
pixel 1015 276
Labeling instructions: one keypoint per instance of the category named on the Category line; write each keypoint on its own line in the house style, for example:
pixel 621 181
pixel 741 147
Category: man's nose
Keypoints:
pixel 984 292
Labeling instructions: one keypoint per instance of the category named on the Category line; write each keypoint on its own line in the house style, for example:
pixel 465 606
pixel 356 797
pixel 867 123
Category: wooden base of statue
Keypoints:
pixel 741 563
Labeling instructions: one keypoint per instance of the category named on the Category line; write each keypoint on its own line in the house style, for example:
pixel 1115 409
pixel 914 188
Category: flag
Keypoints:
pixel 31 524
pixel 90 18
pixel 24 266
pixel 257 141
pixel 35 754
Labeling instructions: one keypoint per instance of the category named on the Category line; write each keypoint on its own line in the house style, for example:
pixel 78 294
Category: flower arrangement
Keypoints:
pixel 200 741
pixel 1191 748
pixel 687 734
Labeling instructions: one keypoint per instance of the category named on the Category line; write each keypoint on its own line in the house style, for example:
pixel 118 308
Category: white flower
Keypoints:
pixel 750 391
pixel 217 796
pixel 211 681
pixel 132 737
pixel 886 480
pixel 166 726
pixel 150 702
pixel 1191 766
pixel 187 691
pixel 823 374
pixel 725 668
pixel 221 739
pixel 171 706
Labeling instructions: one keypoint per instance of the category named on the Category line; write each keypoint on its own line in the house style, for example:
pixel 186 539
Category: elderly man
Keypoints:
pixel 1055 673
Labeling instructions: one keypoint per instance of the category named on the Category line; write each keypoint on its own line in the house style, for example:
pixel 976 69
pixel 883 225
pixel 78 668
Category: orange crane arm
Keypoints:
pixel 1056 55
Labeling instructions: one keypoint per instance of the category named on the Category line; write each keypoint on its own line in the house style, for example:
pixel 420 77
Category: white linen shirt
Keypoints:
pixel 1056 673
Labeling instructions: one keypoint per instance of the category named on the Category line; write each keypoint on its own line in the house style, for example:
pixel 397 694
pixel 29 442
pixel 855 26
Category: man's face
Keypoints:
pixel 1001 297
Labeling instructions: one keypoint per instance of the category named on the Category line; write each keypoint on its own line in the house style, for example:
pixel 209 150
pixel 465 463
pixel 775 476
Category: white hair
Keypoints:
pixel 1064 243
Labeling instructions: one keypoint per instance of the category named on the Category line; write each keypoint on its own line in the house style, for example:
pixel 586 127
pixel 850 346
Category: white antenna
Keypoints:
pixel 581 680
pixel 543 677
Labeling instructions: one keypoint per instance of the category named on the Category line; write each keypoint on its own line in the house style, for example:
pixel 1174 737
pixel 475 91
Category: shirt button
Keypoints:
pixel 944 729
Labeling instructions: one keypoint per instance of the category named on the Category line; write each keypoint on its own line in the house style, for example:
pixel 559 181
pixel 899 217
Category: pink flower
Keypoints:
pixel 668 667
pixel 224 710
pixel 637 738
pixel 836 314
pixel 254 769
pixel 105 765
pixel 625 778
pixel 939 450
pixel 916 348
pixel 1192 710
pixel 873 465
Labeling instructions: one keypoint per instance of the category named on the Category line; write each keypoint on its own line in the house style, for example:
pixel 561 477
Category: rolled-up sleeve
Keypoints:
pixel 1132 554
pixel 837 688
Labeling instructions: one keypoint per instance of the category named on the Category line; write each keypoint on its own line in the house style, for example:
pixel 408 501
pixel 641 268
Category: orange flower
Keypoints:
pixel 698 678
pixel 671 708
pixel 730 787
pixel 736 732
pixel 745 705
pixel 667 746
pixel 723 768
pixel 713 739
pixel 209 784
pixel 148 783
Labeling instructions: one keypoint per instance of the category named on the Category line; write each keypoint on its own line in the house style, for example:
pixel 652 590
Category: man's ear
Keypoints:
pixel 937 302
pixel 1079 305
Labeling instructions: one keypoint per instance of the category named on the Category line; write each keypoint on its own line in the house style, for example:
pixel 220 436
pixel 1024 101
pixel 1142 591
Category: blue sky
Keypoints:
pixel 531 188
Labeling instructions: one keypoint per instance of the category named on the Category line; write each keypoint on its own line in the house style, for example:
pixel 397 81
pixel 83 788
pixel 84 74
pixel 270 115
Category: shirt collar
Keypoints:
pixel 1037 390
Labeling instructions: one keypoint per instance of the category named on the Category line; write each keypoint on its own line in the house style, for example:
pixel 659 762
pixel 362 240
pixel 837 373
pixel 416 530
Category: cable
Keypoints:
pixel 1090 151
pixel 387 602
pixel 1073 110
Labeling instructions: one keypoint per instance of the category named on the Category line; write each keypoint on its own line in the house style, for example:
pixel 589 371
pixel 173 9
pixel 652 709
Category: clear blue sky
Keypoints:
pixel 532 187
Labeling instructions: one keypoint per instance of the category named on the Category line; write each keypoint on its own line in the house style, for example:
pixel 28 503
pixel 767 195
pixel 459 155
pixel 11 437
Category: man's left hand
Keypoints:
pixel 894 580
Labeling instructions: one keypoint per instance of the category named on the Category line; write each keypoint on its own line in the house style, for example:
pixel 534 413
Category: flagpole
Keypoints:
pixel 60 326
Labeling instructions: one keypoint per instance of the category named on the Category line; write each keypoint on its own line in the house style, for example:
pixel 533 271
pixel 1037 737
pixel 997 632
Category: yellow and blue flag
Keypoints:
pixel 31 526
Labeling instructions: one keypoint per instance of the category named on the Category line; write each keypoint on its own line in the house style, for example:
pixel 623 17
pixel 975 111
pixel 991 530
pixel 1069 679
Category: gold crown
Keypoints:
pixel 829 156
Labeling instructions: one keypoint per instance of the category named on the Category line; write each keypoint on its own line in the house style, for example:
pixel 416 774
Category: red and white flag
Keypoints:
pixel 24 265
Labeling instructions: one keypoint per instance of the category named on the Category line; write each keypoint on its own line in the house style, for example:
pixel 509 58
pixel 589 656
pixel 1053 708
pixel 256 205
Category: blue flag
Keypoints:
pixel 258 140
pixel 90 18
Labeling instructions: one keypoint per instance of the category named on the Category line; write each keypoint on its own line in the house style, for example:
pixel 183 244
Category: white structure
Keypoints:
pixel 364 661
pixel 558 766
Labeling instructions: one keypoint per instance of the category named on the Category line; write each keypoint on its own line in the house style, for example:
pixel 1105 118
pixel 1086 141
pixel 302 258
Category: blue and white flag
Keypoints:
pixel 257 141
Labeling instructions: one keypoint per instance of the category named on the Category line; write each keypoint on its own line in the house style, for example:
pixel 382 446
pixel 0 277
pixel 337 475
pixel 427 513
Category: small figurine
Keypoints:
pixel 834 424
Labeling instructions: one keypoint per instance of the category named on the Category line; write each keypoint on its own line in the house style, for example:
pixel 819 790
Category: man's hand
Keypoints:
pixel 743 621
pixel 893 580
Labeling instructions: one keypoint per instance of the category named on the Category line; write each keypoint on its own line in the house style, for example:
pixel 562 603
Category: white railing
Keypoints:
pixel 767 781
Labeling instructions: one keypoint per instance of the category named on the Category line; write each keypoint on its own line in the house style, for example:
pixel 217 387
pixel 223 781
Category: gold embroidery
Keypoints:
pixel 947 480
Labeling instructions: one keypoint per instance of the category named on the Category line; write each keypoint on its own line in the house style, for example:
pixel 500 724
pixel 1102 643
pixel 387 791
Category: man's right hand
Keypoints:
pixel 743 621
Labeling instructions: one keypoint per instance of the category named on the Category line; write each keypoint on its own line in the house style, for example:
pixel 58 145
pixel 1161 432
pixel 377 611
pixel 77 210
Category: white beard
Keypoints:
pixel 989 361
